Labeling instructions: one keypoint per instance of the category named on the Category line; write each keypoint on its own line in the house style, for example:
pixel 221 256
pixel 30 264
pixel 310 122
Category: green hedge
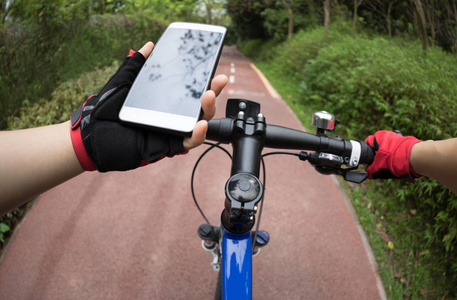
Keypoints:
pixel 63 100
pixel 374 83
pixel 35 59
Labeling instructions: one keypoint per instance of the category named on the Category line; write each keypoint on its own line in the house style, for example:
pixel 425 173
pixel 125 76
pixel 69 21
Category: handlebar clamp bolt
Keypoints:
pixel 355 162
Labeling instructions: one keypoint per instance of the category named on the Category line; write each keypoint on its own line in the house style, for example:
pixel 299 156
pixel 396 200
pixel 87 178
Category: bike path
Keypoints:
pixel 132 235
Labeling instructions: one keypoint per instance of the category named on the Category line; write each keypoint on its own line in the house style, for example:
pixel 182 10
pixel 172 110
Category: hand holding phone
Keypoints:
pixel 102 143
pixel 167 93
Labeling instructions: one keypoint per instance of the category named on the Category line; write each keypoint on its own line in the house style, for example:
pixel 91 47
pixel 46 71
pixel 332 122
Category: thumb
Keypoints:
pixel 198 136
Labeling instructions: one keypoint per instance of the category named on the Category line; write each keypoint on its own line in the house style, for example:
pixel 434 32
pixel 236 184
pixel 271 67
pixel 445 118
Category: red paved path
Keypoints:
pixel 133 235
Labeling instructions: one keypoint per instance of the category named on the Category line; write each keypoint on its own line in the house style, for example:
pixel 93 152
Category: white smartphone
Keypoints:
pixel 166 93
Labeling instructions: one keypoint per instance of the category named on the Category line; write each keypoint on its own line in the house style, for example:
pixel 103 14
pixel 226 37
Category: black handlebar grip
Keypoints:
pixel 367 154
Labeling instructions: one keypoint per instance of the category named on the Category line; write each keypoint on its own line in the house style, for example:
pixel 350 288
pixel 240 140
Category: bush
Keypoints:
pixel 379 83
pixel 35 59
pixel 374 84
pixel 259 49
pixel 305 45
pixel 63 101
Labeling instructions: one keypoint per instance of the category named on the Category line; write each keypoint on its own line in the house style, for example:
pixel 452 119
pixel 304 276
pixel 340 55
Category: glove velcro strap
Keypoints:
pixel 77 141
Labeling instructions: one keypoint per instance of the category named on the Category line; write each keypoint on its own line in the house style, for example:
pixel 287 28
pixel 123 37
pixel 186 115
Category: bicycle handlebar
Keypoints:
pixel 246 129
pixel 280 137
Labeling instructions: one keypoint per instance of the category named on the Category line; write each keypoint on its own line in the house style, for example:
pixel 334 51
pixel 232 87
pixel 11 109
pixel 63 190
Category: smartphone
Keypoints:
pixel 166 93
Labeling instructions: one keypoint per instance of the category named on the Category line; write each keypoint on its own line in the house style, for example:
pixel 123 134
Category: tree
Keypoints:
pixel 290 28
pixel 6 8
pixel 430 10
pixel 451 22
pixel 247 19
pixel 327 15
pixel 419 11
pixel 384 8
pixel 167 9
pixel 355 16
pixel 212 11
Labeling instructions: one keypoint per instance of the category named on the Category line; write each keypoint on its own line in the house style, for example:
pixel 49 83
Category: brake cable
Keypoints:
pixel 213 145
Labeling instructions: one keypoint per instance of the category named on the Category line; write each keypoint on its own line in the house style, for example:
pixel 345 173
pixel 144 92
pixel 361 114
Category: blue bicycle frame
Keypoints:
pixel 236 265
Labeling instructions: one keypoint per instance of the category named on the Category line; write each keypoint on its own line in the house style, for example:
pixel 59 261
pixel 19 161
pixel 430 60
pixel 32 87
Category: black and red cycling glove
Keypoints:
pixel 102 143
pixel 393 152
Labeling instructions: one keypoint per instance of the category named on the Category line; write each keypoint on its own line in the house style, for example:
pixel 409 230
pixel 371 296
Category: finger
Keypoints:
pixel 218 83
pixel 208 105
pixel 208 100
pixel 198 136
pixel 146 49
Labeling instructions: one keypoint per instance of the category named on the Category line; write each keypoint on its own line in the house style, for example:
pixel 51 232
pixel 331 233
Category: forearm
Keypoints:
pixel 437 160
pixel 33 161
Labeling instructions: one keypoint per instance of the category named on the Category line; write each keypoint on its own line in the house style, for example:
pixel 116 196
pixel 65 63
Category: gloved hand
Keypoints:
pixel 102 143
pixel 393 152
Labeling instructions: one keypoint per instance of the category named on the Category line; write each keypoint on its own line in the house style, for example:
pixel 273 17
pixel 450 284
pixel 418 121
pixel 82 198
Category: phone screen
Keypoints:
pixel 177 73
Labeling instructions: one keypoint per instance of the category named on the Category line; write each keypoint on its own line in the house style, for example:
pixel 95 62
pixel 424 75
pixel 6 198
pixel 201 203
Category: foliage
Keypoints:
pixel 63 101
pixel 247 21
pixel 268 19
pixel 168 10
pixel 377 83
pixel 275 22
pixel 9 222
pixel 386 85
pixel 261 49
pixel 35 59
pixel 3 228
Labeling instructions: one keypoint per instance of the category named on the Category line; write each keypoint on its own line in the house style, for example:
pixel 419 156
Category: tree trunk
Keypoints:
pixel 389 20
pixel 422 24
pixel 327 15
pixel 356 6
pixel 430 14
pixel 290 28
pixel 455 33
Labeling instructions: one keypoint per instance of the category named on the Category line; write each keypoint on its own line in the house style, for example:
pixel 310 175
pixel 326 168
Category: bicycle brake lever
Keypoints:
pixel 355 177
pixel 351 176
pixel 347 174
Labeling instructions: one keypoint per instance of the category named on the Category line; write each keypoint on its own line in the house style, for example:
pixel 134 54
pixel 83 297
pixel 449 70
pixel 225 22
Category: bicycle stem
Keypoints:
pixel 244 189
pixel 248 143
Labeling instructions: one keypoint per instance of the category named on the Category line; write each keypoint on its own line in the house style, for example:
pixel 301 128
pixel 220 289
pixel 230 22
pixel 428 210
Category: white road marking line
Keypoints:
pixel 267 83
pixel 232 79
